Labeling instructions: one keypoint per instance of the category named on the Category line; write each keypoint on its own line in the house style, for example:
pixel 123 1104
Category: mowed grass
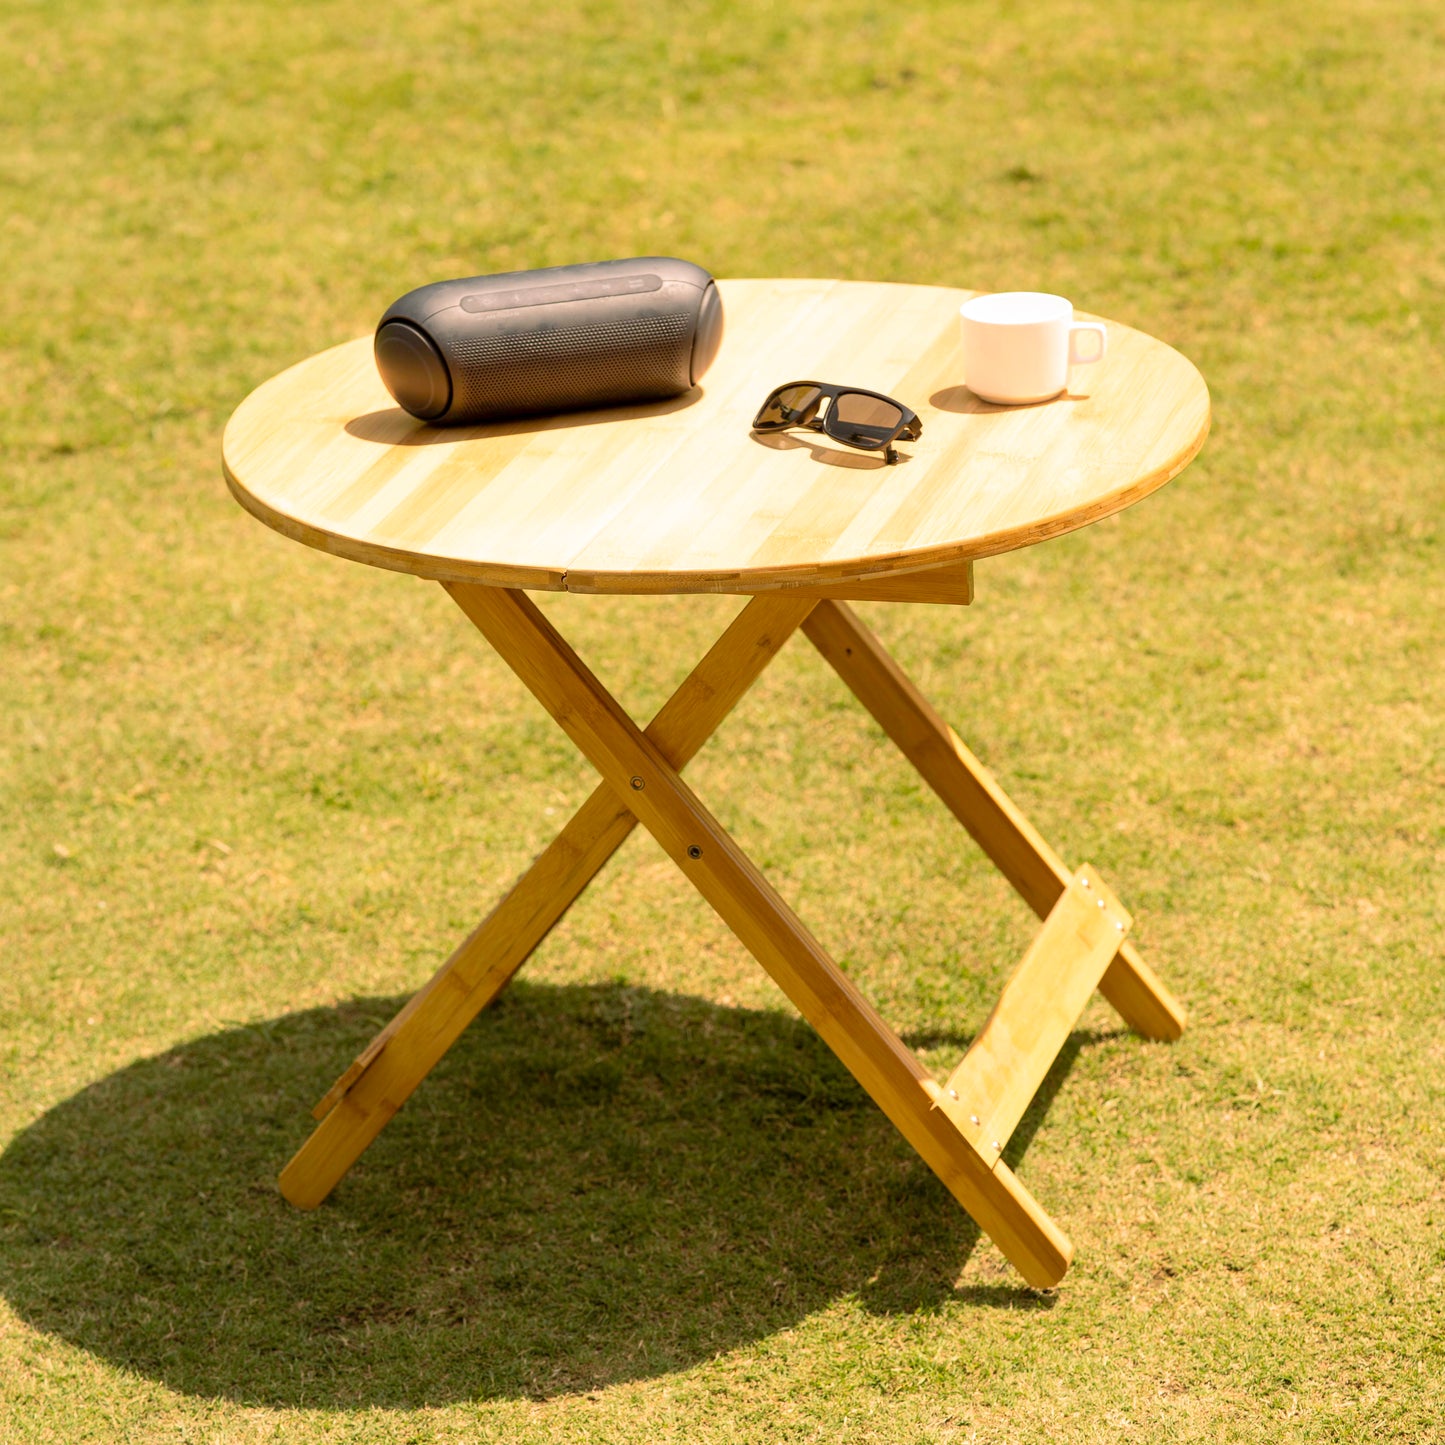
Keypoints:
pixel 253 794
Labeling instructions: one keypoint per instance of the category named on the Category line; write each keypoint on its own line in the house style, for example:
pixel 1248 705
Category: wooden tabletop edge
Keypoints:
pixel 393 559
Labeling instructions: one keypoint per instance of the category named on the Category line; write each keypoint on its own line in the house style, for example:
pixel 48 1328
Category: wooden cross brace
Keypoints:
pixel 959 1128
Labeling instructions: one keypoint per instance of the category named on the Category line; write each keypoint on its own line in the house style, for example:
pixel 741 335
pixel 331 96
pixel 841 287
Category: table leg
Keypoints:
pixel 641 775
pixel 976 800
pixel 359 1105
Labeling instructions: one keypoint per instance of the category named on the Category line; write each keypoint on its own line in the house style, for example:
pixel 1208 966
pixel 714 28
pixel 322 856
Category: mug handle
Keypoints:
pixel 1094 328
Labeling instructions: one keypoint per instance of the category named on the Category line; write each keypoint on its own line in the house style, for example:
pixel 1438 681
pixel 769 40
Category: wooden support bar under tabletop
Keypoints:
pixel 952 585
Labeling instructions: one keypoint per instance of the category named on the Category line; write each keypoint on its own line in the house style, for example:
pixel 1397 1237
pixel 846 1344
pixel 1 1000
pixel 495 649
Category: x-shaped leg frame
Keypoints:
pixel 959 1127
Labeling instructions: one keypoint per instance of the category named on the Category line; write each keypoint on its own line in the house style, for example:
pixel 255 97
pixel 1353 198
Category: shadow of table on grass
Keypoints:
pixel 597 1184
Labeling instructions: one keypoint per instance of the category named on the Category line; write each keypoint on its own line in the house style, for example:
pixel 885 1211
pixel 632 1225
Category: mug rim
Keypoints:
pixel 1062 311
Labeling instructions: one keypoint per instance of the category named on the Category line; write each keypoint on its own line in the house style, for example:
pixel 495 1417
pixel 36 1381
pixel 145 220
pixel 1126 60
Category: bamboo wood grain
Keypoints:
pixel 361 1102
pixel 723 874
pixel 680 497
pixel 987 1094
pixel 971 793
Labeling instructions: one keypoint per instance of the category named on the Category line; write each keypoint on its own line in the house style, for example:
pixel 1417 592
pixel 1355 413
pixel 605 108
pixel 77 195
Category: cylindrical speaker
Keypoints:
pixel 561 339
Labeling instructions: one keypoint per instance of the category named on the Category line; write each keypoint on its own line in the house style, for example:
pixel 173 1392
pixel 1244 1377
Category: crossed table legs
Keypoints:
pixel 960 1127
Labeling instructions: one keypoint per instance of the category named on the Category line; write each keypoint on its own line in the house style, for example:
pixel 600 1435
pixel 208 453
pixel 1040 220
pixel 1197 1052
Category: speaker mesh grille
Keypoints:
pixel 571 367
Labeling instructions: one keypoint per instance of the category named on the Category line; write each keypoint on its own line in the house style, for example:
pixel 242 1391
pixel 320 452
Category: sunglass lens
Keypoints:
pixel 789 406
pixel 863 421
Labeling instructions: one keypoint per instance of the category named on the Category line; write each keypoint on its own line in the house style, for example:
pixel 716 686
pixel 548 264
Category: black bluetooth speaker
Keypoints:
pixel 561 339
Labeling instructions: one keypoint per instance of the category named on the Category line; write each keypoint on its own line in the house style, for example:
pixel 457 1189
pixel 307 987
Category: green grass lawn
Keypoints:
pixel 252 794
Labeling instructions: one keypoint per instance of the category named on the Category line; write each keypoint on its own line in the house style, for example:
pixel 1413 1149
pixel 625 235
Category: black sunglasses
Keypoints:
pixel 857 418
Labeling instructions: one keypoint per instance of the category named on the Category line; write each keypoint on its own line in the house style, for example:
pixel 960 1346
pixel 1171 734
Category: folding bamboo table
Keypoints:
pixel 679 497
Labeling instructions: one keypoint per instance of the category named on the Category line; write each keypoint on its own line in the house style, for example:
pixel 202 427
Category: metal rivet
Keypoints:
pixel 1084 882
pixel 1100 902
pixel 694 851
pixel 1118 925
pixel 973 1118
pixel 997 1145
pixel 953 1093
pixel 638 784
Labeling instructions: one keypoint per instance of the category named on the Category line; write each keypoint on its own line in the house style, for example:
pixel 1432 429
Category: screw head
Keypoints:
pixel 638 784
pixel 1100 902
pixel 997 1146
pixel 953 1093
pixel 1083 882
pixel 973 1118
pixel 694 851
pixel 1119 925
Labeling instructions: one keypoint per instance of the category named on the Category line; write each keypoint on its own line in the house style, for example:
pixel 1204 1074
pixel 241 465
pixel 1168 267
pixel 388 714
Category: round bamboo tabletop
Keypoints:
pixel 679 496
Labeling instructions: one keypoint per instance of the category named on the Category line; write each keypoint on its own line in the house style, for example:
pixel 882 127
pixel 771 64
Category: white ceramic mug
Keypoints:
pixel 1018 345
